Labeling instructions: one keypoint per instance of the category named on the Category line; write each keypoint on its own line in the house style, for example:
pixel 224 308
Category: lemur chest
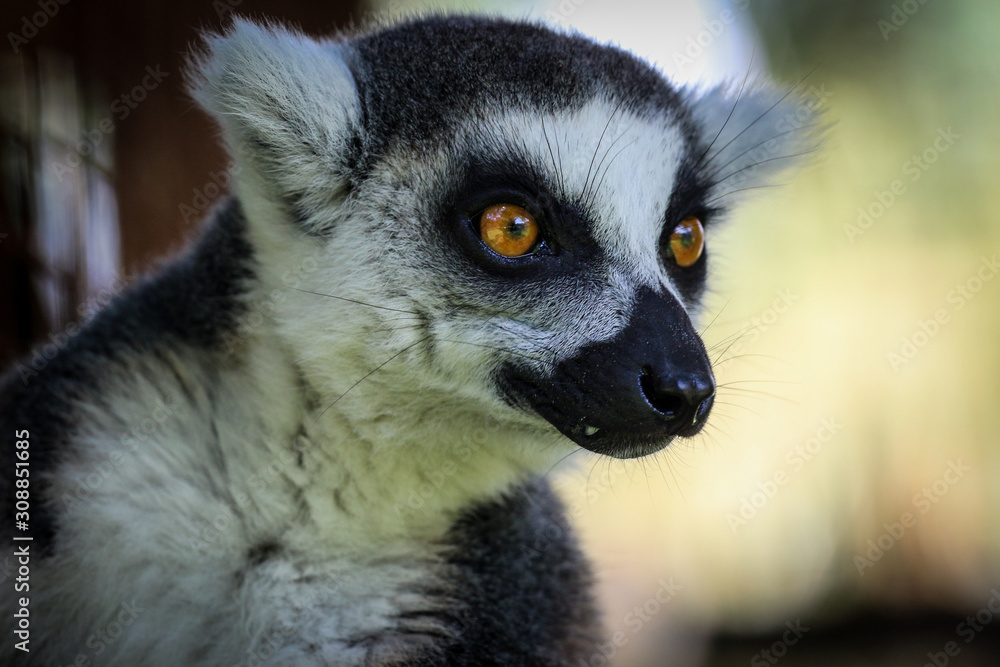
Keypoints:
pixel 342 610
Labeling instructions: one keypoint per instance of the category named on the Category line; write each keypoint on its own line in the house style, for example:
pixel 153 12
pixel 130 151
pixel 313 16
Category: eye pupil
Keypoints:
pixel 508 230
pixel 687 242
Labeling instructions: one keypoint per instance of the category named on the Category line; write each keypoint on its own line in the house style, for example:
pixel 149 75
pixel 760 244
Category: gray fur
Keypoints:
pixel 300 443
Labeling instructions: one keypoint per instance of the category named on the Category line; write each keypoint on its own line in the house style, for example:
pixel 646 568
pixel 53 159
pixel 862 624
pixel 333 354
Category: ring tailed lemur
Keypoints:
pixel 457 249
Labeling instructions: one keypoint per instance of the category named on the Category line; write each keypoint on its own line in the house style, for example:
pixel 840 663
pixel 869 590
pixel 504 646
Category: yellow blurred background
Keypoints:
pixel 850 479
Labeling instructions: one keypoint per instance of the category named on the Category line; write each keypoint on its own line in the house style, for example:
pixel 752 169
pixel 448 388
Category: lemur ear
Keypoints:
pixel 751 135
pixel 289 109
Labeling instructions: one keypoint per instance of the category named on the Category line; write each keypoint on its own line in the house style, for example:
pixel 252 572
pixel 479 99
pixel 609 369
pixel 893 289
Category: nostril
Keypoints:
pixel 670 404
pixel 704 407
pixel 678 396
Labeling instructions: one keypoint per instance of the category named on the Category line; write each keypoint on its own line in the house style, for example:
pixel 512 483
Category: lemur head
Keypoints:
pixel 510 221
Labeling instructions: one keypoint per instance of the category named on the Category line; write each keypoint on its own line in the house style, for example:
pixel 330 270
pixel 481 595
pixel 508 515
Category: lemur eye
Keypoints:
pixel 508 230
pixel 687 242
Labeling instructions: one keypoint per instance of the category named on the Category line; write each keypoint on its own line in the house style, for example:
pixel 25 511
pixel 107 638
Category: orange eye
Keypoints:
pixel 508 230
pixel 687 242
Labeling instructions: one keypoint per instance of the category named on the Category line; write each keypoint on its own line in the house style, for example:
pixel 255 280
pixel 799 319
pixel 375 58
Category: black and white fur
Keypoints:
pixel 319 436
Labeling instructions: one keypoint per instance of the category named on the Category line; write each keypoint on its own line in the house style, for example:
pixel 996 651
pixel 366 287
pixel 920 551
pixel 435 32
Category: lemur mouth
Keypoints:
pixel 627 396
pixel 619 445
pixel 624 434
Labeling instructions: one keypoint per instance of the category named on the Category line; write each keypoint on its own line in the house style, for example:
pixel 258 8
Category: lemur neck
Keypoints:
pixel 382 466
pixel 401 477
pixel 379 455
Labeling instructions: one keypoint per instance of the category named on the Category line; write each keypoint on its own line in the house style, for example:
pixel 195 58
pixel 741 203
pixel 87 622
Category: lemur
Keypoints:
pixel 456 250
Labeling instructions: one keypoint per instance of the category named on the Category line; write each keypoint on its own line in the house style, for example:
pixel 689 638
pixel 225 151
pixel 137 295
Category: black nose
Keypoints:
pixel 628 395
pixel 684 399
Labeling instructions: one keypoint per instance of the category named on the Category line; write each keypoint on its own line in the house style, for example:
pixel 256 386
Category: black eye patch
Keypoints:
pixel 691 197
pixel 567 242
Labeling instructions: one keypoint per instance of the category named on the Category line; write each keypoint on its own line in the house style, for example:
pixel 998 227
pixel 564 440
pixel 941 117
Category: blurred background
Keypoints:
pixel 844 506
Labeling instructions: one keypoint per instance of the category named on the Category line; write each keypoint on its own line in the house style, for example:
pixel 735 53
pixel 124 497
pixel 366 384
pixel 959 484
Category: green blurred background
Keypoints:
pixel 843 507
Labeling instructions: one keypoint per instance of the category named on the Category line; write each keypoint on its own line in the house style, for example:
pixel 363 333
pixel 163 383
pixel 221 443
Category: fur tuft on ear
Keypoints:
pixel 289 109
pixel 753 134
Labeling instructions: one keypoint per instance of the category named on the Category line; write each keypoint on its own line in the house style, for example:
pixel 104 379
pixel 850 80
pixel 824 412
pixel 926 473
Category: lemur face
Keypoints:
pixel 575 269
pixel 528 216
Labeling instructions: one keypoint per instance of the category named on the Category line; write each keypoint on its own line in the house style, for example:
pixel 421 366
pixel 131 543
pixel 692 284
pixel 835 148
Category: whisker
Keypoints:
pixel 722 354
pixel 673 473
pixel 544 346
pixel 600 141
pixel 555 165
pixel 597 148
pixel 739 96
pixel 597 190
pixel 368 375
pixel 573 451
pixel 756 393
pixel 392 329
pixel 715 173
pixel 736 336
pixel 747 189
pixel 499 349
pixel 769 357
pixel 657 459
pixel 769 110
pixel 732 382
pixel 385 329
pixel 737 405
pixel 717 315
pixel 757 164
pixel 608 150
pixel 717 430
pixel 360 303
pixel 645 476
pixel 562 177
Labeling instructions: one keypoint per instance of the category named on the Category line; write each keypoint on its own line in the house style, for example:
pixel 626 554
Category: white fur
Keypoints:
pixel 623 166
pixel 298 95
pixel 355 474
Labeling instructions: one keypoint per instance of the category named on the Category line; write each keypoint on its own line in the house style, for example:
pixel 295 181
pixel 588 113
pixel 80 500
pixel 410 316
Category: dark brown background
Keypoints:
pixel 164 150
